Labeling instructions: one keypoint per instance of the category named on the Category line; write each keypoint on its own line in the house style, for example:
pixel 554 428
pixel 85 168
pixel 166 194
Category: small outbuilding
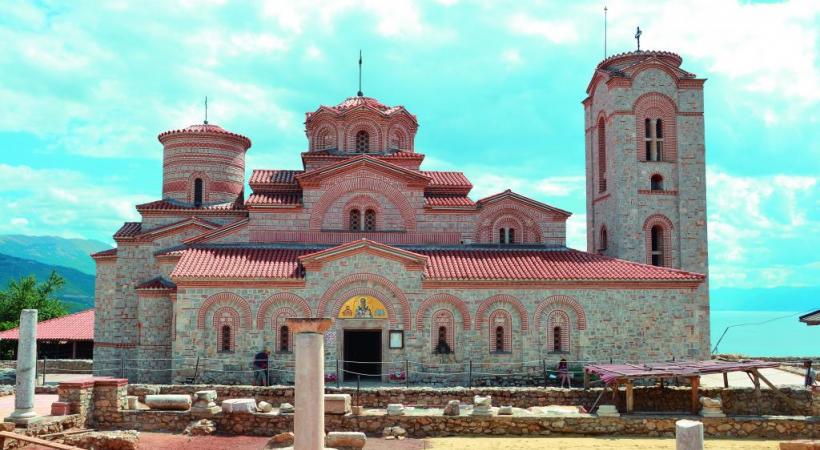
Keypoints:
pixel 812 318
pixel 67 337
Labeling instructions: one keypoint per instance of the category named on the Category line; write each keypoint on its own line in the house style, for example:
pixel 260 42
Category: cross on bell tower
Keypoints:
pixel 638 34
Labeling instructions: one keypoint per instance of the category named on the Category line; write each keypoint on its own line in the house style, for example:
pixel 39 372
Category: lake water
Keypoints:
pixel 782 337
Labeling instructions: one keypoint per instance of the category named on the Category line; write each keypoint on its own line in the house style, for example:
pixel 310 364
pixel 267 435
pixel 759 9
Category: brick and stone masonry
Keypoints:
pixel 208 276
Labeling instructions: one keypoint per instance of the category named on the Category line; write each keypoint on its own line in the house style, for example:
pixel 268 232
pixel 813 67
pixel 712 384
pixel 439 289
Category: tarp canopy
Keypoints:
pixel 611 372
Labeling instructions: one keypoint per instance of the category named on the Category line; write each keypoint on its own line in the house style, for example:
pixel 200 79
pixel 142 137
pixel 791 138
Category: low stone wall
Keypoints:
pixel 47 426
pixel 417 426
pixel 56 365
pixel 736 401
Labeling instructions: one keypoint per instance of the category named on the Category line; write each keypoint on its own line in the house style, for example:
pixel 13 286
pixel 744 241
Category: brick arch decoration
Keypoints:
pixel 507 221
pixel 655 65
pixel 443 317
pixel 486 224
pixel 206 186
pixel 600 149
pixel 666 225
pixel 362 184
pixel 456 302
pixel 226 316
pixel 320 130
pixel 369 125
pixel 372 279
pixel 281 299
pixel 402 133
pixel 276 322
pixel 385 299
pixel 363 202
pixel 557 301
pixel 225 299
pixel 558 318
pixel 481 313
pixel 507 327
pixel 654 105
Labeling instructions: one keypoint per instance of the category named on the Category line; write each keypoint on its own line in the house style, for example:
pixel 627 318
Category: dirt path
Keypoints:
pixel 579 443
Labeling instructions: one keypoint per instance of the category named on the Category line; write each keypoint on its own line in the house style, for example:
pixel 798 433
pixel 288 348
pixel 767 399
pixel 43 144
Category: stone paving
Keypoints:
pixel 42 404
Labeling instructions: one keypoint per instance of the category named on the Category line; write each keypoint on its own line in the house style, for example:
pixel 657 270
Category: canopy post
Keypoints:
pixel 630 399
pixel 777 391
pixel 586 380
pixel 695 382
pixel 726 380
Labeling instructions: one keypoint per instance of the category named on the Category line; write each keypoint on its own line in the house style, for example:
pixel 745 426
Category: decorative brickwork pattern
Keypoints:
pixel 439 299
pixel 280 300
pixel 654 105
pixel 666 241
pixel 237 303
pixel 500 331
pixel 558 301
pixel 511 301
pixel 368 279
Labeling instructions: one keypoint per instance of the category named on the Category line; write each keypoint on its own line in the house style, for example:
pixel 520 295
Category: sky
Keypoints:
pixel 86 86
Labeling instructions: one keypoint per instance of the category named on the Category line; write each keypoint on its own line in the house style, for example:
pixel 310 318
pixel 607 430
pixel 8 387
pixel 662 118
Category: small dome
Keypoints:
pixel 352 102
pixel 622 60
pixel 205 128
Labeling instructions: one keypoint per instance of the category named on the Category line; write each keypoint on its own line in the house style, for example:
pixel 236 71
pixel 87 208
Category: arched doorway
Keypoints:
pixel 363 319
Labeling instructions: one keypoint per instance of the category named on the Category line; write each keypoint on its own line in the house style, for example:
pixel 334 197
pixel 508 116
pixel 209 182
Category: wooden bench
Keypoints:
pixel 33 440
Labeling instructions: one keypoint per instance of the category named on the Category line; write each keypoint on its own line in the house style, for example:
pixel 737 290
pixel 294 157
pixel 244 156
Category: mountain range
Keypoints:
pixel 40 255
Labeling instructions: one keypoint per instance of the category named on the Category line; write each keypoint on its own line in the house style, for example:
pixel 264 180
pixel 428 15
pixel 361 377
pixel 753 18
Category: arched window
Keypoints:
pixel 502 235
pixel 653 139
pixel 355 223
pixel 556 339
pixel 284 339
pixel 604 241
pixel 511 235
pixel 442 347
pixel 656 182
pixel 443 325
pixel 362 142
pixel 225 344
pixel 656 238
pixel 369 220
pixel 601 155
pixel 499 339
pixel 198 192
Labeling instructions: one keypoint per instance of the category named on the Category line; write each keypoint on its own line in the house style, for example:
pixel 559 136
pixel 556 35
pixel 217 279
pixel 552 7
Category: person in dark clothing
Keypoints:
pixel 260 368
pixel 442 348
pixel 811 375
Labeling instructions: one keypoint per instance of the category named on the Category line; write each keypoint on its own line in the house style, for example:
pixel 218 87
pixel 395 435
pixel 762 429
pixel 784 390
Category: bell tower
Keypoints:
pixel 645 161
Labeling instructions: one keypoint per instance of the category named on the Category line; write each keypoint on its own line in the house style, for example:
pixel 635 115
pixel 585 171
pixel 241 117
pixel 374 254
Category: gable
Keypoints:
pixel 410 260
pixel 509 196
pixel 366 163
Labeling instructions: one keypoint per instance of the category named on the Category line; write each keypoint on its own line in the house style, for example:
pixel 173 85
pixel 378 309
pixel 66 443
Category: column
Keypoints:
pixel 26 370
pixel 688 435
pixel 309 383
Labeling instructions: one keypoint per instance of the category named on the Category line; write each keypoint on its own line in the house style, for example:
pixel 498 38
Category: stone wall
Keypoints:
pixel 56 365
pixel 736 401
pixel 47 426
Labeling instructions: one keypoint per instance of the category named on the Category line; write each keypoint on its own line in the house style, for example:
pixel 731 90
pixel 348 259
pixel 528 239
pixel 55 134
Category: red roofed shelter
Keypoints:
pixel 67 337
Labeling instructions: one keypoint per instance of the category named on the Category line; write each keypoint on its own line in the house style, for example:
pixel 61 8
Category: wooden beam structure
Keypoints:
pixel 630 398
pixel 777 391
pixel 695 384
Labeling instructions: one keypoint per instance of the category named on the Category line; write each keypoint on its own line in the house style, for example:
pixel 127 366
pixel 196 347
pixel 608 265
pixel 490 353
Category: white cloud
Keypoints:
pixel 511 56
pixel 753 217
pixel 555 31
pixel 577 231
pixel 63 202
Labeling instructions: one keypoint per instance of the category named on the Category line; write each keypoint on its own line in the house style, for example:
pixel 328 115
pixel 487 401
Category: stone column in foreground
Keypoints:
pixel 309 417
pixel 26 370
pixel 688 435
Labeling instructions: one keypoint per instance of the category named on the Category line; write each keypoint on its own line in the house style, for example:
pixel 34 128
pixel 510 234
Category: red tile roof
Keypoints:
pixel 448 200
pixel 264 176
pixel 447 178
pixel 105 253
pixel 444 264
pixel 401 154
pixel 74 327
pixel 498 264
pixel 240 263
pixel 157 284
pixel 204 129
pixel 128 229
pixel 274 199
pixel 165 205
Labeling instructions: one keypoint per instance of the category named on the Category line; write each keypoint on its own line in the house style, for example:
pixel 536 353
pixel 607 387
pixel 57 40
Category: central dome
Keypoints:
pixel 352 102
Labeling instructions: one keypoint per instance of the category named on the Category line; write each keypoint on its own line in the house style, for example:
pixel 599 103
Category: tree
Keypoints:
pixel 27 293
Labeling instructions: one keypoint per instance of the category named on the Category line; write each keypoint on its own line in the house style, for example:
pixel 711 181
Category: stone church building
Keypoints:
pixel 407 263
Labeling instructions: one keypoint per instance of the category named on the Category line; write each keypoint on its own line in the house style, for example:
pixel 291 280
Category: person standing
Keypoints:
pixel 260 368
pixel 563 372
pixel 811 374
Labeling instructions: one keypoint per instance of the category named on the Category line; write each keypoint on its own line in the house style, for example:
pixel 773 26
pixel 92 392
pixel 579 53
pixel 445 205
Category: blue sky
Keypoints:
pixel 85 87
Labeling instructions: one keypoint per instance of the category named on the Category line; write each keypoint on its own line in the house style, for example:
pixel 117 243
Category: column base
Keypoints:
pixel 23 418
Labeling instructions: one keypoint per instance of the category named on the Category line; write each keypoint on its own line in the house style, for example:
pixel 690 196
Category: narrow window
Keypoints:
pixel 659 140
pixel 648 138
pixel 362 142
pixel 442 347
pixel 369 220
pixel 355 220
pixel 225 345
pixel 198 192
pixel 656 182
pixel 656 238
pixel 511 235
pixel 284 344
pixel 502 235
pixel 601 155
pixel 499 339
pixel 556 339
pixel 604 239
